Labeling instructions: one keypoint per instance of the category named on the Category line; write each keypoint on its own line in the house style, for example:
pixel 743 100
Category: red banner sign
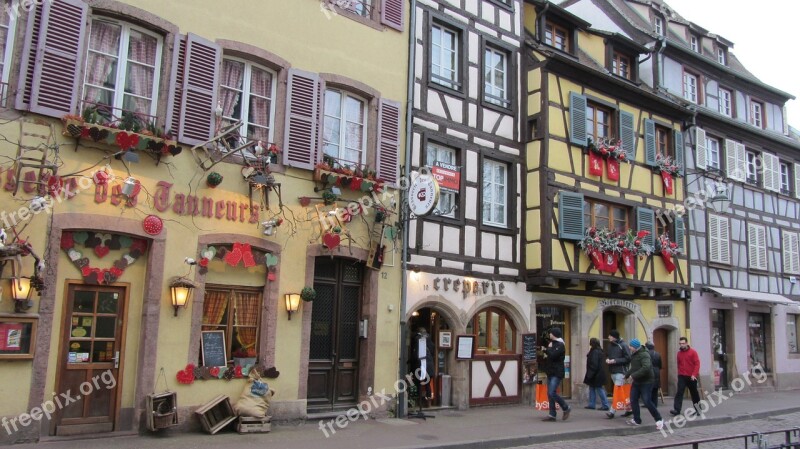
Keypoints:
pixel 448 176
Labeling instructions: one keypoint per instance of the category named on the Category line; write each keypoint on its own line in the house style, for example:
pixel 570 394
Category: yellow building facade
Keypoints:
pixel 249 154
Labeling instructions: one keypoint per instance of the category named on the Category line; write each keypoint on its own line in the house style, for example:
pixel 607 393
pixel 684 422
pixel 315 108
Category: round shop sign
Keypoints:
pixel 423 195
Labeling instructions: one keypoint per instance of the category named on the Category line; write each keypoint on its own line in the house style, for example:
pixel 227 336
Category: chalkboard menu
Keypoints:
pixel 528 347
pixel 212 346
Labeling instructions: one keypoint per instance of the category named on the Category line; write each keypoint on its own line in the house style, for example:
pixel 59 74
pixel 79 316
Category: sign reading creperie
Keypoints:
pixel 448 176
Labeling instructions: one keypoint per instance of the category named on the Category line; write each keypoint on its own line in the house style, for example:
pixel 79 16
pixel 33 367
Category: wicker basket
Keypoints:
pixel 164 420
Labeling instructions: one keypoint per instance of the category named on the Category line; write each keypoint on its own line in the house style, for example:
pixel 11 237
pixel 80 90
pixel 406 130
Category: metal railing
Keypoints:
pixel 755 440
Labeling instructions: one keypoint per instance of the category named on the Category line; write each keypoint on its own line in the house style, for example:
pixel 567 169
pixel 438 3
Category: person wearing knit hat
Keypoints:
pixel 641 372
pixel 554 354
pixel 618 356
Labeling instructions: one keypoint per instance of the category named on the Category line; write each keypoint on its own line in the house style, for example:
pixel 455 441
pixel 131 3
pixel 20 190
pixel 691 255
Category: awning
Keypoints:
pixel 746 295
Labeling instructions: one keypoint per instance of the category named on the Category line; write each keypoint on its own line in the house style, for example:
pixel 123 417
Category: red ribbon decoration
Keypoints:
pixel 612 169
pixel 595 164
pixel 611 262
pixel 668 184
pixel 667 260
pixel 628 262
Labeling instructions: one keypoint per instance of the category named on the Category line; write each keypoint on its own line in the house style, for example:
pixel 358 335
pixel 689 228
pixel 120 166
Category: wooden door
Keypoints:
pixel 334 345
pixel 90 359
pixel 660 343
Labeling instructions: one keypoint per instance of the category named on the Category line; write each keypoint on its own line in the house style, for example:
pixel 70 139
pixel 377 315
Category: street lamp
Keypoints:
pixel 181 290
pixel 292 303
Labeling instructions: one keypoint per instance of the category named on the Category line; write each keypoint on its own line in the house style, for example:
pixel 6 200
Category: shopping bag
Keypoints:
pixel 542 401
pixel 622 397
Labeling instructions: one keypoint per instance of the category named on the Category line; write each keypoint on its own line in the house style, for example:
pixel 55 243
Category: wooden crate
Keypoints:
pixel 248 424
pixel 216 414
pixel 162 410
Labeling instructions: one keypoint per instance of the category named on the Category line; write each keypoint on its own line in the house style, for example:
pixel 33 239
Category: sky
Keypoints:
pixel 765 35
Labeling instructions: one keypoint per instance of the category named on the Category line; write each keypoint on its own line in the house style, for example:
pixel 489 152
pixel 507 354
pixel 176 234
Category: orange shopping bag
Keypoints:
pixel 542 401
pixel 622 397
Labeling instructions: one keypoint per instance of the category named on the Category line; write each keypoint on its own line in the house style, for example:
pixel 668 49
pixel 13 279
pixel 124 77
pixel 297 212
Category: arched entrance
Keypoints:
pixel 442 335
pixel 495 374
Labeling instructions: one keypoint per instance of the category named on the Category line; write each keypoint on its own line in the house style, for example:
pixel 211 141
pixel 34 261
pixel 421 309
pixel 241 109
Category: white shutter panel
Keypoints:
pixel 762 247
pixel 741 161
pixel 795 247
pixel 791 253
pixel 700 149
pixel 731 161
pixel 771 167
pixel 752 245
pixel 797 180
pixel 724 240
pixel 713 238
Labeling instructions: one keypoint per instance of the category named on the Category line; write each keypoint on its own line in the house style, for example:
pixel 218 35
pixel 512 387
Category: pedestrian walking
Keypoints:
pixel 688 370
pixel 641 372
pixel 554 354
pixel 655 357
pixel 595 376
pixel 618 358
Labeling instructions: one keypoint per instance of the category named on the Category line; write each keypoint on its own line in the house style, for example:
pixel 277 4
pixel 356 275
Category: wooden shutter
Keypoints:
pixel 570 216
pixel 713 238
pixel 772 170
pixel 700 149
pixel 392 14
pixel 741 160
pixel 649 142
pixel 797 180
pixel 387 164
pixel 646 221
pixel 680 234
pixel 725 242
pixel 176 78
pixel 680 150
pixel 302 117
pixel 577 119
pixel 627 134
pixel 28 58
pixel 200 84
pixel 791 253
pixel 756 239
pixel 735 160
pixel 54 59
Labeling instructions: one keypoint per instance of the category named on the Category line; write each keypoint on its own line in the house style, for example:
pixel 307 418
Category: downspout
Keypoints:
pixel 412 38
pixel 541 19
pixel 661 44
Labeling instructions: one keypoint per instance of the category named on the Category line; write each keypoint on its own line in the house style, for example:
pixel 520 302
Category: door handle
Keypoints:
pixel 116 359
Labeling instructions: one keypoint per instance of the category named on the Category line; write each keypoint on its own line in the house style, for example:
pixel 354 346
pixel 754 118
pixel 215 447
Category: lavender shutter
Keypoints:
pixel 177 73
pixel 58 58
pixel 28 59
pixel 387 164
pixel 392 14
pixel 199 96
pixel 302 119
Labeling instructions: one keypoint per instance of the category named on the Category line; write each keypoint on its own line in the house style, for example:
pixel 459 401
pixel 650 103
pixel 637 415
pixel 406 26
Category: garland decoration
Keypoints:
pixel 101 244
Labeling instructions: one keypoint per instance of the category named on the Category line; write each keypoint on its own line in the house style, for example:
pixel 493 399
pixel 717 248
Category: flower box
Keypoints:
pixel 124 140
pixel 347 180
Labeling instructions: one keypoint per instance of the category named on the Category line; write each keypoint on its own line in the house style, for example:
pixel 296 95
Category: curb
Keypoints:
pixel 527 440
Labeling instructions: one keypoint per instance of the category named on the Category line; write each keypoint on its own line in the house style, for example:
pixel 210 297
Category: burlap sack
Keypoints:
pixel 255 398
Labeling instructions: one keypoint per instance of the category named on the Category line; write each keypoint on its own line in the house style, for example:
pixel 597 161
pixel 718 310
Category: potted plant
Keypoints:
pixel 308 294
pixel 244 357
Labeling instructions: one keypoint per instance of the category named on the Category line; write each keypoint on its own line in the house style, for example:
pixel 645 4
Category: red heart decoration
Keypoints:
pixel 234 256
pixel 86 271
pixel 54 185
pixel 331 240
pixel 66 240
pixel 271 276
pixel 247 256
pixel 101 251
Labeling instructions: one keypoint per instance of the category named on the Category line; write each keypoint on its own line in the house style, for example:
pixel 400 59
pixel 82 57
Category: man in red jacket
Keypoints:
pixel 688 370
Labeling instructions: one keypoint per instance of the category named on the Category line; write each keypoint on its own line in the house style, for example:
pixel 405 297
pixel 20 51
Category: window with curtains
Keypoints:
pixel 445 56
pixel 664 141
pixel 246 93
pixel 605 215
pixel 599 122
pixel 495 193
pixel 237 311
pixel 495 77
pixel 344 136
pixel 7 28
pixel 494 331
pixel 123 65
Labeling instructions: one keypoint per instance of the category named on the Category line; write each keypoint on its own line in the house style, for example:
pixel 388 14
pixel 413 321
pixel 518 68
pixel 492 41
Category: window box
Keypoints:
pixel 346 178
pixel 123 139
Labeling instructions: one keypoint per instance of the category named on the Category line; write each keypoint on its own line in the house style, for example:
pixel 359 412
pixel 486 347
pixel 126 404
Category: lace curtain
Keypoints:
pixel 101 66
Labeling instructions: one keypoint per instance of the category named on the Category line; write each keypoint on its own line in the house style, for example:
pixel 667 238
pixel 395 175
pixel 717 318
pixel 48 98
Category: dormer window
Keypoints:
pixel 556 36
pixel 621 66
pixel 722 56
pixel 695 42
pixel 660 26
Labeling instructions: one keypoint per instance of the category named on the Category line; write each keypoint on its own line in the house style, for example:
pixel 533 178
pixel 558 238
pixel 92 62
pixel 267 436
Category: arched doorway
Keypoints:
pixel 495 373
pixel 442 336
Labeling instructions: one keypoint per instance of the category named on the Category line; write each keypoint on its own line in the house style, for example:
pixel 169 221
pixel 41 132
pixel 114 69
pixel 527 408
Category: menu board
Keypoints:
pixel 528 347
pixel 212 346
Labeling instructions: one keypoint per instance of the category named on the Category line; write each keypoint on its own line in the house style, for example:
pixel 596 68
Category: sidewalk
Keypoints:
pixel 486 427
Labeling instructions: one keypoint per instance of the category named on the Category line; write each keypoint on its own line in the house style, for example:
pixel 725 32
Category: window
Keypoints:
pixel 495 77
pixel 622 65
pixel 756 114
pixel 237 311
pixel 493 330
pixel 791 252
pixel 663 141
pixel 725 102
pixel 246 93
pixel 556 36
pixel 7 28
pixel 599 122
pixel 362 8
pixel 695 42
pixel 751 167
pixel 721 56
pixel 659 26
pixel 757 242
pixel 495 192
pixel 445 56
pixel 664 310
pixel 345 120
pixel 785 176
pixel 690 87
pixel 712 150
pixel 718 239
pixel 604 215
pixel 791 332
pixel 122 67
pixel 448 201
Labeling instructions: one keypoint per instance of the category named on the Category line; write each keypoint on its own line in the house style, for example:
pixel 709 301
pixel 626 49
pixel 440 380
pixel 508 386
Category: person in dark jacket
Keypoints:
pixel 595 376
pixel 422 371
pixel 641 371
pixel 617 359
pixel 656 359
pixel 554 354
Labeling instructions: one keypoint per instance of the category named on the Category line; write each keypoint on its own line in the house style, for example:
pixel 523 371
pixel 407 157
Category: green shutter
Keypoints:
pixel 679 150
pixel 626 134
pixel 680 234
pixel 577 119
pixel 570 216
pixel 646 220
pixel 649 142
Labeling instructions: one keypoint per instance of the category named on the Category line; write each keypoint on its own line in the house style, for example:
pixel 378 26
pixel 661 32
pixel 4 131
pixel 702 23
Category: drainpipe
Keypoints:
pixel 661 44
pixel 541 19
pixel 412 38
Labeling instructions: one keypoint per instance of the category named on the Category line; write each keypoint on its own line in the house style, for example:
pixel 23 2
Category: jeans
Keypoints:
pixel 598 391
pixel 552 385
pixel 619 380
pixel 685 382
pixel 644 391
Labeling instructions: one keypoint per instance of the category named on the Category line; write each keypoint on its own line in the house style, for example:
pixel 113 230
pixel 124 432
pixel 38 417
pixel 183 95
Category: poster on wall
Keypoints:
pixel 10 336
pixel 447 175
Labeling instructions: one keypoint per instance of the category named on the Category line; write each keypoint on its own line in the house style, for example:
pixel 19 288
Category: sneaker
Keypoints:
pixel 632 422
pixel 549 419
pixel 674 412
pixel 659 425
pixel 566 414
pixel 603 409
pixel 589 408
pixel 610 415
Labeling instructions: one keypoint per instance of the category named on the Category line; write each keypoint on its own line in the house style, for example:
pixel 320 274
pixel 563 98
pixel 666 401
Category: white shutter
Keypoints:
pixel 791 253
pixel 762 247
pixel 756 240
pixel 741 161
pixel 732 161
pixel 700 149
pixel 713 238
pixel 724 240
pixel 797 180
pixel 771 168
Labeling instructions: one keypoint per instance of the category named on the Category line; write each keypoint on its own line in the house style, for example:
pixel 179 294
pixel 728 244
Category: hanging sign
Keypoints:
pixel 423 195
pixel 448 176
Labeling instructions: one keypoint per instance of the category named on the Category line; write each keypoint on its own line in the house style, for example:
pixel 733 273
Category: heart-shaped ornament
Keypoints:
pixel 129 259
pixel 84 262
pixel 271 260
pixel 80 237
pixel 175 150
pixel 234 256
pixel 74 255
pixel 101 251
pixel 331 240
pixel 209 252
pixel 104 238
pixel 248 171
pixel 247 256
pixel 271 276
pixel 125 241
pixel 121 264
